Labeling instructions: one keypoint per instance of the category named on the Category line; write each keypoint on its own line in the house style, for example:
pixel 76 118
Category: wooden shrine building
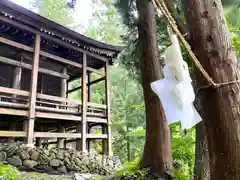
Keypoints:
pixel 38 61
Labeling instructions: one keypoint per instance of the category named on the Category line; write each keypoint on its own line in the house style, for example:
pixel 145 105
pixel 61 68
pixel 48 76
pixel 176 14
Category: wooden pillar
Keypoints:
pixel 33 92
pixel 64 84
pixel 89 147
pixel 38 139
pixel 89 87
pixel 108 112
pixel 78 141
pixel 60 141
pixel 17 75
pixel 104 141
pixel 38 142
pixel 82 144
pixel 12 128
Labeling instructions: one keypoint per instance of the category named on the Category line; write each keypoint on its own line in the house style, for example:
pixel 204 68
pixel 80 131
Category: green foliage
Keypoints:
pixel 227 3
pixel 236 39
pixel 232 14
pixel 127 117
pixel 8 172
pixel 55 10
pixel 132 170
pixel 105 23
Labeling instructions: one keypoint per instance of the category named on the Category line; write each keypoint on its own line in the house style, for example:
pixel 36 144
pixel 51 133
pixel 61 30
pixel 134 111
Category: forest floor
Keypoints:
pixel 44 176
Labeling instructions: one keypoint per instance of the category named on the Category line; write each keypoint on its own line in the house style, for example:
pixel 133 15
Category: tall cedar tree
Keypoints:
pixel 210 41
pixel 157 151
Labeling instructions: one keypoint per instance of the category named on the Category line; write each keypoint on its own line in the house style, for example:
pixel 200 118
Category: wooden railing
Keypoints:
pixel 19 99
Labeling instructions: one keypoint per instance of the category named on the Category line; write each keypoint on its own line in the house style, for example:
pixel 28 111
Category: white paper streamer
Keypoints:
pixel 175 90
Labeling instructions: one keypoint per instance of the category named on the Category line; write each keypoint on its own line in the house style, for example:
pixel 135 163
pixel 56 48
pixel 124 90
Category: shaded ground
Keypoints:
pixel 43 176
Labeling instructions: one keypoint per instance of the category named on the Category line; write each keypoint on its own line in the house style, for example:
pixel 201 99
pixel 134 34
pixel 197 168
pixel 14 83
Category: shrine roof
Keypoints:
pixel 21 24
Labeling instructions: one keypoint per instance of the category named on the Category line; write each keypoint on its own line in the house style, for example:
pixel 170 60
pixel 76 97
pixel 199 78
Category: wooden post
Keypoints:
pixel 83 147
pixel 89 147
pixel 89 87
pixel 104 141
pixel 60 141
pixel 38 139
pixel 17 78
pixel 78 140
pixel 33 91
pixel 17 74
pixel 38 142
pixel 64 84
pixel 12 128
pixel 108 112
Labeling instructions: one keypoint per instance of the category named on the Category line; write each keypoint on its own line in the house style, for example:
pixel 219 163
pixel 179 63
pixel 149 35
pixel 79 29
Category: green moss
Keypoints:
pixel 8 172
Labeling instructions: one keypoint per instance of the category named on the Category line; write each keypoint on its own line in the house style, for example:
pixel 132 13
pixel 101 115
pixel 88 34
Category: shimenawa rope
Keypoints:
pixel 164 10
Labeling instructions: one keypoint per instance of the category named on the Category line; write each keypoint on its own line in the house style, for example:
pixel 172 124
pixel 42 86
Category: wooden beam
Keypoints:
pixel 97 136
pixel 16 44
pixel 12 134
pixel 15 112
pixel 89 136
pixel 54 104
pixel 57 135
pixel 14 91
pixel 33 90
pixel 95 105
pixel 58 99
pixel 88 84
pixel 96 120
pixel 108 113
pixel 55 110
pixel 13 98
pixel 57 116
pixel 29 66
pixel 13 105
pixel 63 43
pixel 45 54
pixel 48 115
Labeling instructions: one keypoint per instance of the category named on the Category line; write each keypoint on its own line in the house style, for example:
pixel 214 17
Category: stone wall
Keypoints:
pixel 57 160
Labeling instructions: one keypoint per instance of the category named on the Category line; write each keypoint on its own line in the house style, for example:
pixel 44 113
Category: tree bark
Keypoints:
pixel 157 151
pixel 201 166
pixel 210 41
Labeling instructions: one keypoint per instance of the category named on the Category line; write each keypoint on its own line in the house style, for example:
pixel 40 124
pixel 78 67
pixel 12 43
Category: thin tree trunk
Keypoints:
pixel 128 146
pixel 201 166
pixel 211 43
pixel 201 169
pixel 157 151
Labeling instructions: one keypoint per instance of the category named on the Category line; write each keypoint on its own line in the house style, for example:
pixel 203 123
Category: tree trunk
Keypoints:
pixel 201 166
pixel 157 151
pixel 209 37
